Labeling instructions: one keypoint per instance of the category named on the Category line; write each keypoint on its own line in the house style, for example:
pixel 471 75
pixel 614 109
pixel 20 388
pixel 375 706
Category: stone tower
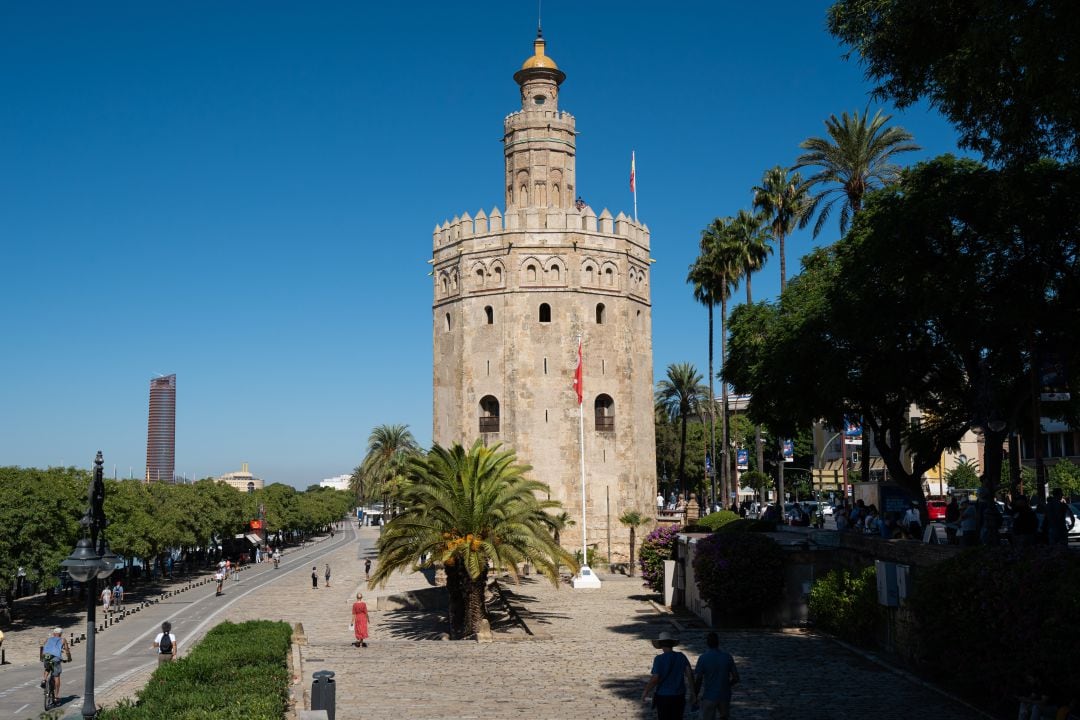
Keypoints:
pixel 514 291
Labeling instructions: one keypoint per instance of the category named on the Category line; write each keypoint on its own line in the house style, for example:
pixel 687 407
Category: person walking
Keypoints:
pixel 219 578
pixel 118 596
pixel 106 600
pixel 952 520
pixel 326 574
pixel 165 644
pixel 668 680
pixel 912 522
pixel 1057 511
pixel 314 578
pixel 367 569
pixel 360 621
pixel 969 533
pixel 714 676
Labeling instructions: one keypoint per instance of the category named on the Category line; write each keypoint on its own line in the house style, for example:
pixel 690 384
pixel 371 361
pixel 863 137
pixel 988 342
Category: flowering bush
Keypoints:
pixel 657 547
pixel 739 574
pixel 846 605
pixel 990 616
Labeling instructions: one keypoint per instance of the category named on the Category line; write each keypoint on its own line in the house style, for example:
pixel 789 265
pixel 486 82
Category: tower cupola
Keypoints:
pixel 539 78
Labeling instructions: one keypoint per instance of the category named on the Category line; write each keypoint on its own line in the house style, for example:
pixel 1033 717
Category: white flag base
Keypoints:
pixel 586 579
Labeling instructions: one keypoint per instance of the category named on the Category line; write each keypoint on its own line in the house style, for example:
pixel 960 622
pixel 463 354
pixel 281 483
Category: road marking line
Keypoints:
pixel 21 709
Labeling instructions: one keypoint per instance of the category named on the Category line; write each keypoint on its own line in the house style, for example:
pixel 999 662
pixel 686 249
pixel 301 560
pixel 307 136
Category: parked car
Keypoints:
pixel 1074 531
pixel 935 509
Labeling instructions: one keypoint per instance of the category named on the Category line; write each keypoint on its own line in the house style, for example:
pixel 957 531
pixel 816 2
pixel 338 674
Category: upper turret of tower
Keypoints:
pixel 539 78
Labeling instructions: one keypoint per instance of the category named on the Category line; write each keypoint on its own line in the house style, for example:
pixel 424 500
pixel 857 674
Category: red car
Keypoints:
pixel 936 509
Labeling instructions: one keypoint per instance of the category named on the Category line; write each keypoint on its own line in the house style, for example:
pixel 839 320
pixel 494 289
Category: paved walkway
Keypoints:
pixel 594 665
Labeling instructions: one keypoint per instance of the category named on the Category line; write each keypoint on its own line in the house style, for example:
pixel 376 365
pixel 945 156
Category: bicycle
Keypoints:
pixel 50 689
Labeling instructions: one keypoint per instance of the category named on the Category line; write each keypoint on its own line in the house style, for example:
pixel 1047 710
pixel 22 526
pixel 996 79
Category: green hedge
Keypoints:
pixel 846 605
pixel 237 672
pixel 990 619
pixel 712 523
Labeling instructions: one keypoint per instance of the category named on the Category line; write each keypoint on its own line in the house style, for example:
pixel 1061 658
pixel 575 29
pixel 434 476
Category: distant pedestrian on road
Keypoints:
pixel 670 677
pixel 118 596
pixel 367 569
pixel 715 675
pixel 359 621
pixel 106 599
pixel 219 578
pixel 165 644
pixel 326 574
pixel 314 578
pixel 1059 519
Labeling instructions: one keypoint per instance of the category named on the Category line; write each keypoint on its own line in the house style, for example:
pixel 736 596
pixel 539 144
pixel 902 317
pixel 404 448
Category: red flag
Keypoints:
pixel 578 387
pixel 632 188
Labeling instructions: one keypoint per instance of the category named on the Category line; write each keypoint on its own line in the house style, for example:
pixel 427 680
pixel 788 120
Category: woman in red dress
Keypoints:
pixel 359 616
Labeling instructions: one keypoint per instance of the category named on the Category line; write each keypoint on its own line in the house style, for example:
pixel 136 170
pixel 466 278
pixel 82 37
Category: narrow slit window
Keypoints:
pixel 545 313
pixel 489 314
pixel 600 313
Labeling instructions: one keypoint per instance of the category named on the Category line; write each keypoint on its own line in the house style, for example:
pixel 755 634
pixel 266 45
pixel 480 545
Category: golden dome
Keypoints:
pixel 539 59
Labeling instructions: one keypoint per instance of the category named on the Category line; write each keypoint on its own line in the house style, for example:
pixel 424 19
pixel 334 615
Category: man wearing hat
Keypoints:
pixel 53 654
pixel 670 677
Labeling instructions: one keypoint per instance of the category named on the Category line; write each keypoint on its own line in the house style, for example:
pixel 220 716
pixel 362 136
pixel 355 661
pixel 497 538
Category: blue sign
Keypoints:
pixel 789 451
pixel 742 459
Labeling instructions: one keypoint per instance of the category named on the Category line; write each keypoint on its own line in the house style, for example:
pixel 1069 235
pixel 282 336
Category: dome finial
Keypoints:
pixel 539 16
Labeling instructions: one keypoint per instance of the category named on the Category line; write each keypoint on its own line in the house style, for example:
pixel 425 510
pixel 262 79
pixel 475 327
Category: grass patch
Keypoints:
pixel 237 672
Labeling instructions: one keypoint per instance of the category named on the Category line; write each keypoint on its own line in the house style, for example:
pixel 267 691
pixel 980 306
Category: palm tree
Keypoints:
pixel 751 248
pixel 470 511
pixel 559 522
pixel 783 201
pixel 382 471
pixel 678 397
pixel 632 519
pixel 703 279
pixel 854 159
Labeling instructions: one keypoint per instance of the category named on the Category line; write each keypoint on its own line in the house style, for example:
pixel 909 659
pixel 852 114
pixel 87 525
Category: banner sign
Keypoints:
pixel 742 459
pixel 1053 378
pixel 789 451
pixel 852 433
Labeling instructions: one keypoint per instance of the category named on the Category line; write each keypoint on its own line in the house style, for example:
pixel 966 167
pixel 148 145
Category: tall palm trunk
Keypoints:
pixel 724 479
pixel 455 578
pixel 682 458
pixel 632 542
pixel 473 602
pixel 712 404
pixel 783 262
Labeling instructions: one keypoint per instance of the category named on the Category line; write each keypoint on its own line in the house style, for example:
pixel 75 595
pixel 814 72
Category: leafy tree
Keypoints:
pixel 854 159
pixel 964 475
pixel 633 520
pixel 784 202
pixel 679 396
pixel 1003 72
pixel 758 481
pixel 1065 474
pixel 470 510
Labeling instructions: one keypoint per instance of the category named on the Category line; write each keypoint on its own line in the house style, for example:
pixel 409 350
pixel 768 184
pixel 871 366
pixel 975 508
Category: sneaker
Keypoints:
pixel 42 685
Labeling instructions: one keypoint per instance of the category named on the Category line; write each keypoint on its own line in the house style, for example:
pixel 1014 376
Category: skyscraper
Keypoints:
pixel 161 430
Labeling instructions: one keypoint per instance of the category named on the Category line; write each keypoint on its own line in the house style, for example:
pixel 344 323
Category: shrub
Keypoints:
pixel 739 574
pixel 237 672
pixel 990 616
pixel 846 605
pixel 747 525
pixel 658 546
pixel 713 522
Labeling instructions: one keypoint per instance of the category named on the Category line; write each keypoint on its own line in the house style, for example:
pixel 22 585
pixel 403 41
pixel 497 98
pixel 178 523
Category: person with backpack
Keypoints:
pixel 670 677
pixel 165 644
pixel 314 578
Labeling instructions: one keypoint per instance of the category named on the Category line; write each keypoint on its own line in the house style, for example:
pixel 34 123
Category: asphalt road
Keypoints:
pixel 125 648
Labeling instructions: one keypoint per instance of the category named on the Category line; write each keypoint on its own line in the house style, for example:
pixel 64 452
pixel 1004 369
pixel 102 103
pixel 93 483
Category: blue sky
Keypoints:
pixel 243 194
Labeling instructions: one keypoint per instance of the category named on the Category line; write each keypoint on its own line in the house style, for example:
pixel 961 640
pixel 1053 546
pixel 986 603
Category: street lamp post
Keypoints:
pixel 90 560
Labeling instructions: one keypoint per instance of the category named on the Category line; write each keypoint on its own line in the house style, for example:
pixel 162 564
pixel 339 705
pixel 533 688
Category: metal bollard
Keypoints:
pixel 324 692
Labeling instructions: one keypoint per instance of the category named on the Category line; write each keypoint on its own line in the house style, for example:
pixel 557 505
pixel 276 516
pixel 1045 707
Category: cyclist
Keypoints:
pixel 52 655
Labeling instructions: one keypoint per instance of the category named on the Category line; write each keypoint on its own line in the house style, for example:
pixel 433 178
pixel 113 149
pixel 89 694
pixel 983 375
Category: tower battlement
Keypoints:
pixel 526 219
pixel 533 114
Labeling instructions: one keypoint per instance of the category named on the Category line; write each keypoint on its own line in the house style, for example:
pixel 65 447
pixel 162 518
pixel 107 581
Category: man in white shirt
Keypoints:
pixel 659 503
pixel 106 599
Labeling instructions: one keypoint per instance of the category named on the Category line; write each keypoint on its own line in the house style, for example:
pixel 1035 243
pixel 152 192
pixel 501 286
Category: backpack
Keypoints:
pixel 165 646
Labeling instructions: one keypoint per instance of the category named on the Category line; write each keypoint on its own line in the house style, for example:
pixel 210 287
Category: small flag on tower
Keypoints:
pixel 633 187
pixel 578 387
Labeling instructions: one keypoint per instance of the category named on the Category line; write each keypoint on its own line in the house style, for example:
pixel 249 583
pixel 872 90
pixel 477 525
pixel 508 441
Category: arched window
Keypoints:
pixel 250 487
pixel 530 273
pixel 556 196
pixel 545 313
pixel 600 313
pixel 609 277
pixel 590 275
pixel 447 322
pixel 497 271
pixel 555 272
pixel 479 277
pixel 489 414
pixel 445 285
pixel 604 409
pixel 490 314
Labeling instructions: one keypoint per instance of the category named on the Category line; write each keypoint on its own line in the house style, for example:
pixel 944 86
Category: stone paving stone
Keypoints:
pixel 594 666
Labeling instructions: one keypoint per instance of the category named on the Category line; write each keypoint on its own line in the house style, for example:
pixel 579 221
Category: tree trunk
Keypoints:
pixel 864 468
pixel 455 601
pixel 1015 477
pixel 632 533
pixel 473 596
pixel 682 458
pixel 783 263
pixel 712 402
pixel 992 457
pixel 724 480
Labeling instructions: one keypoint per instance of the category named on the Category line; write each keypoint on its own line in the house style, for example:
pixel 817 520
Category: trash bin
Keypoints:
pixel 323 692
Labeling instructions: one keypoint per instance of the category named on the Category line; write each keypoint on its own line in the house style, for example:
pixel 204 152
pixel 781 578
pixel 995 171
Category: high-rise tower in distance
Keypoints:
pixel 161 430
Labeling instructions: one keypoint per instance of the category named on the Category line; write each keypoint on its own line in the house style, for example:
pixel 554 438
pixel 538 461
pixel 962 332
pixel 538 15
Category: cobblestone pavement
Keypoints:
pixel 594 665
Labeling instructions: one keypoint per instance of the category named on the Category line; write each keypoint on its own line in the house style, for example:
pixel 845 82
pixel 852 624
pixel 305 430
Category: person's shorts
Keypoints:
pixel 57 668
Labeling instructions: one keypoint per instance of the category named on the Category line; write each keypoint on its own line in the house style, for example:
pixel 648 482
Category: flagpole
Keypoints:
pixel 581 440
pixel 585 578
pixel 633 182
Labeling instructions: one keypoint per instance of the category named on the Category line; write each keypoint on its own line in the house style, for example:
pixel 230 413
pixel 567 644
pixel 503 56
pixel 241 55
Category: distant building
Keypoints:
pixel 161 430
pixel 242 480
pixel 341 482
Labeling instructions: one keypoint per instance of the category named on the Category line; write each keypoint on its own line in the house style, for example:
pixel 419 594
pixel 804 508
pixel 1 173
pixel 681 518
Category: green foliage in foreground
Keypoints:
pixel 1013 613
pixel 237 672
pixel 846 605
pixel 713 522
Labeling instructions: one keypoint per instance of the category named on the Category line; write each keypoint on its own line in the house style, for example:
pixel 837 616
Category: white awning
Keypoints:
pixel 254 539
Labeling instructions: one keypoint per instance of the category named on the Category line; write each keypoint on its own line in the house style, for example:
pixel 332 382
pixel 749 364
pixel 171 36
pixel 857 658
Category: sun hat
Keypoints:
pixel 665 638
pixel 57 631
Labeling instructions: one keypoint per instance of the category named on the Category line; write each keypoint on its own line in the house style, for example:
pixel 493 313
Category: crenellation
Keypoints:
pixel 481 222
pixel 495 218
pixel 606 224
pixel 466 226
